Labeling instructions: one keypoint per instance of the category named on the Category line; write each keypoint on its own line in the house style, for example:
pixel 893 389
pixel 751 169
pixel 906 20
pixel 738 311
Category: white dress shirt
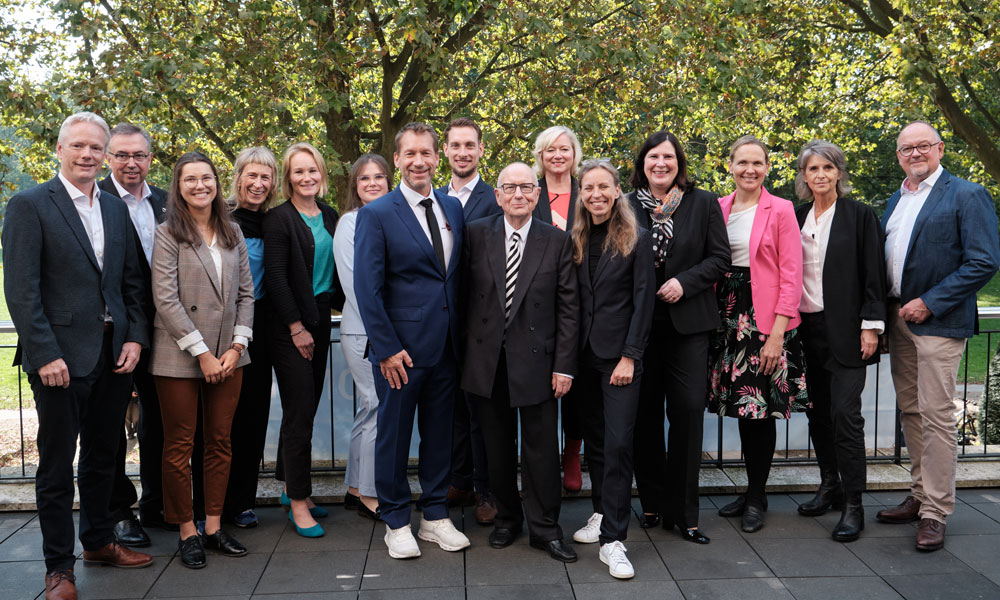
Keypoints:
pixel 89 210
pixel 815 240
pixel 141 212
pixel 739 227
pixel 447 237
pixel 899 229
pixel 465 191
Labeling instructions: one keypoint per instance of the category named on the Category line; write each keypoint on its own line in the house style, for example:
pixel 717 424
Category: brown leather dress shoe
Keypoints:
pixel 60 585
pixel 486 510
pixel 930 535
pixel 457 497
pixel 116 555
pixel 907 512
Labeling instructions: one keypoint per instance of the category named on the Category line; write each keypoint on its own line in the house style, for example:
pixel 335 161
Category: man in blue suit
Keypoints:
pixel 406 277
pixel 463 147
pixel 75 293
pixel 941 247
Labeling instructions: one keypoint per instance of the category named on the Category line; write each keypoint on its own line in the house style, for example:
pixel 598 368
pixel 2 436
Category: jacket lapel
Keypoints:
pixel 203 254
pixel 534 249
pixel 760 221
pixel 496 253
pixel 453 213
pixel 474 199
pixel 601 264
pixel 584 271
pixel 65 205
pixel 405 214
pixel 937 193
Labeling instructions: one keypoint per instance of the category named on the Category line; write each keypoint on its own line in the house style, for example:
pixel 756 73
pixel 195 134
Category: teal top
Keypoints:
pixel 322 254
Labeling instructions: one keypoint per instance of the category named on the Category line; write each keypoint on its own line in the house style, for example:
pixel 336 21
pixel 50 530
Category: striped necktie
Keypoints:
pixel 513 262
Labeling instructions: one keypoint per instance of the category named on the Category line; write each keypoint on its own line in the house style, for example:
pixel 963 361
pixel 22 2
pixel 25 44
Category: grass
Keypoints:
pixel 978 351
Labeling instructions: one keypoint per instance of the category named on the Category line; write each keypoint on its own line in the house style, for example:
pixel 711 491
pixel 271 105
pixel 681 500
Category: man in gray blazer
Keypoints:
pixel 74 291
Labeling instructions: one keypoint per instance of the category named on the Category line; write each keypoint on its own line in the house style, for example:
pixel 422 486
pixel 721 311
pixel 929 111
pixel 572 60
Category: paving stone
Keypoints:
pixel 873 527
pixel 967 586
pixel 309 596
pixel 230 597
pixel 298 572
pixel 516 564
pixel 344 531
pixel 109 583
pixel 775 502
pixel 506 592
pixel 734 589
pixel 978 496
pixel 809 558
pixel 979 552
pixel 434 568
pixel 713 480
pixel 866 500
pixel 628 590
pixel 452 593
pixel 722 559
pixel 892 556
pixel 643 555
pixel 709 521
pixel 26 544
pixel 22 580
pixel 890 498
pixel 222 576
pixel 968 520
pixel 784 524
pixel 827 588
pixel 989 509
pixel 15 520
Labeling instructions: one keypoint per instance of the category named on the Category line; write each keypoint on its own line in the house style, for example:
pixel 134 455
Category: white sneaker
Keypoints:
pixel 613 555
pixel 443 533
pixel 591 532
pixel 401 542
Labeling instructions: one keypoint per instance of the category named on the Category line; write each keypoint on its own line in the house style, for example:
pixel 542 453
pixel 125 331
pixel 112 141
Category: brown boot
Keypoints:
pixel 60 585
pixel 116 555
pixel 457 497
pixel 930 535
pixel 907 512
pixel 486 510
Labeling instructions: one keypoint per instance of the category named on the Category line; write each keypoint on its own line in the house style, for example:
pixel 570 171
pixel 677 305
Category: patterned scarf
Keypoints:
pixel 661 213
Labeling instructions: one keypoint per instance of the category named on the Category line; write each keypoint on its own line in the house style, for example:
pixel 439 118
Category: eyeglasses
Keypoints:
pixel 923 148
pixel 526 188
pixel 191 182
pixel 124 157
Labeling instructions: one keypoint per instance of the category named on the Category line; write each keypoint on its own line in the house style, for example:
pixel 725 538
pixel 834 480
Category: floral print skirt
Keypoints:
pixel 737 386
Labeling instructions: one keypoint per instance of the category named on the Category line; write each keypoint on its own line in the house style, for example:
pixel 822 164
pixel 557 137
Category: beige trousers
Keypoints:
pixel 924 371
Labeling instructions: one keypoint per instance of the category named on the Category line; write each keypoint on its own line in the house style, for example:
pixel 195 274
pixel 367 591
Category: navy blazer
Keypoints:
pixel 405 300
pixel 56 290
pixel 482 201
pixel 953 253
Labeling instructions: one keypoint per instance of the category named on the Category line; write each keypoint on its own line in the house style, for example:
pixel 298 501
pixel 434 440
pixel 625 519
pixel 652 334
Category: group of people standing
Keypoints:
pixel 478 310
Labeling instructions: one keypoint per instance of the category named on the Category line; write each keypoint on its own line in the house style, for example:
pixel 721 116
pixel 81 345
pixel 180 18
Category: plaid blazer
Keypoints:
pixel 193 305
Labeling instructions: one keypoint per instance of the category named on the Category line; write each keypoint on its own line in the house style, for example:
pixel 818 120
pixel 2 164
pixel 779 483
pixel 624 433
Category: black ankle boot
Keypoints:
pixel 829 495
pixel 852 519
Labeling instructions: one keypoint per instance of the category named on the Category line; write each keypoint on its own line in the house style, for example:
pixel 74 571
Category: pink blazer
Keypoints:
pixel 775 260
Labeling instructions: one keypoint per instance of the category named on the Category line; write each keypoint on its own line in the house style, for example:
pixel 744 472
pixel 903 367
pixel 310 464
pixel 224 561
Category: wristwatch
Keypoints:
pixel 240 349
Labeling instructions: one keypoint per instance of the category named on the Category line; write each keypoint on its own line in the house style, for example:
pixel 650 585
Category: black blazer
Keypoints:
pixel 57 292
pixel 542 335
pixel 854 280
pixel 158 200
pixel 698 256
pixel 543 211
pixel 288 263
pixel 482 201
pixel 616 307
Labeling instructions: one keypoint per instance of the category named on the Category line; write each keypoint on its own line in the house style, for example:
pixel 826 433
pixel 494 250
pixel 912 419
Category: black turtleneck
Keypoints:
pixel 250 222
pixel 595 245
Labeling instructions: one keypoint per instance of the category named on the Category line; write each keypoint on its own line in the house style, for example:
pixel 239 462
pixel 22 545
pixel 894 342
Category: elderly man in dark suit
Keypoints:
pixel 940 249
pixel 463 147
pixel 520 355
pixel 74 290
pixel 129 156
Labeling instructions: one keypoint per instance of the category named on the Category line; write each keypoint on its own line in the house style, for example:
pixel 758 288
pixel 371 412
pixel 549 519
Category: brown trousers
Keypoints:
pixel 924 370
pixel 179 408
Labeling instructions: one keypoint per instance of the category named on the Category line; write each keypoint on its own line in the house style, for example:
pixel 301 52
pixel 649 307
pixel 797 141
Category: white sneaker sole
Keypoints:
pixel 585 540
pixel 399 554
pixel 616 575
pixel 430 537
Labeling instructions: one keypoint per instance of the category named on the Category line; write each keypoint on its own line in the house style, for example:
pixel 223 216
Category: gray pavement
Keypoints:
pixel 793 557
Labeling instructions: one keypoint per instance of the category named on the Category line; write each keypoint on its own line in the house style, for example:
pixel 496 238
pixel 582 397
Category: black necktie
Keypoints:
pixel 432 224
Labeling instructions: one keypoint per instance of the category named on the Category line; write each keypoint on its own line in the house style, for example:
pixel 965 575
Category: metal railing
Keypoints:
pixel 884 440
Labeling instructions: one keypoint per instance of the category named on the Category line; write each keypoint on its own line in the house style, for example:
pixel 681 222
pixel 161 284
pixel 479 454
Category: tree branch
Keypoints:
pixel 979 104
pixel 869 23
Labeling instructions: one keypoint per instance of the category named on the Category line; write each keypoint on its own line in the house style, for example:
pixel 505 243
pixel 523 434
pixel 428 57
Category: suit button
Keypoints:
pixel 670 253
pixel 100 318
pixel 479 340
pixel 537 304
pixel 485 320
pixel 531 328
pixel 444 308
pixel 534 350
pixel 482 295
pixel 193 308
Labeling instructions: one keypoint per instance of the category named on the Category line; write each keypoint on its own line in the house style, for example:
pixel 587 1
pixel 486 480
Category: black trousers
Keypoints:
pixel 669 485
pixel 835 422
pixel 468 454
pixel 300 383
pixel 539 460
pixel 608 428
pixel 250 421
pixel 93 409
pixel 123 493
pixel 572 416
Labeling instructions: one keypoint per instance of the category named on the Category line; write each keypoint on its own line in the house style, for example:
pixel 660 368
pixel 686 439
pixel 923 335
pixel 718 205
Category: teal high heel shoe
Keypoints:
pixel 311 532
pixel 317 512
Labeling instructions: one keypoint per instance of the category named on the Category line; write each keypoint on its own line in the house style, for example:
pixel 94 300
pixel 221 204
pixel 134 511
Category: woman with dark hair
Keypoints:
pixel 615 272
pixel 299 275
pixel 255 183
pixel 690 253
pixel 368 180
pixel 843 311
pixel 203 292
pixel 757 361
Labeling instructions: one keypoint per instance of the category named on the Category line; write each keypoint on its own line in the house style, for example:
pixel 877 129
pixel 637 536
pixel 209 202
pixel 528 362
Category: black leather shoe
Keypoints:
pixel 128 532
pixel 695 535
pixel 223 543
pixel 192 553
pixel 557 549
pixel 852 520
pixel 501 537
pixel 753 518
pixel 829 495
pixel 648 521
pixel 735 508
pixel 351 501
pixel 364 511
pixel 157 522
